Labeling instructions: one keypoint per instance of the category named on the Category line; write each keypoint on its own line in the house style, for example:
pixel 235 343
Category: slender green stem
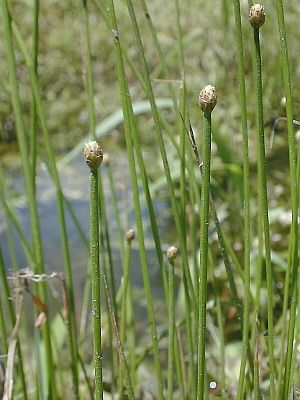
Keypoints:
pixel 96 282
pixel 111 292
pixel 28 173
pixel 158 131
pixel 292 271
pixel 33 121
pixel 114 199
pixel 182 122
pixel 256 389
pixel 72 330
pixel 220 320
pixel 171 330
pixel 129 125
pixel 204 218
pixel 89 72
pixel 246 199
pixel 180 36
pixel 261 160
pixel 160 52
pixel 180 364
pixel 124 316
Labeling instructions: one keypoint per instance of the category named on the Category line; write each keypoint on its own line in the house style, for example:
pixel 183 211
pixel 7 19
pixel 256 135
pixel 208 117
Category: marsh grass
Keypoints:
pixel 205 336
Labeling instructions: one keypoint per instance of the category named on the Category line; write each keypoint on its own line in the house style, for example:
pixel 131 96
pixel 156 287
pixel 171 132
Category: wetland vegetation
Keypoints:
pixel 167 267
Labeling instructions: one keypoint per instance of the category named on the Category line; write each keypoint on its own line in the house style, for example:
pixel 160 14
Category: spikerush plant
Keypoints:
pixel 93 156
pixel 257 19
pixel 246 193
pixel 207 102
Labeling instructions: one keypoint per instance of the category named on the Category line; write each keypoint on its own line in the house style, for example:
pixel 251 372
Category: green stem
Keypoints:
pixel 246 200
pixel 33 122
pixel 89 72
pixel 171 331
pixel 261 162
pixel 256 390
pixel 96 282
pixel 124 316
pixel 51 164
pixel 160 52
pixel 292 271
pixel 129 125
pixel 158 131
pixel 204 220
pixel 28 177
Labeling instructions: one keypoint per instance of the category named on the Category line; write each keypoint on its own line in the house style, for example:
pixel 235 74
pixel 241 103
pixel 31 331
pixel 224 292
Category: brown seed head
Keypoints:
pixel 172 253
pixel 130 235
pixel 257 15
pixel 208 98
pixel 93 154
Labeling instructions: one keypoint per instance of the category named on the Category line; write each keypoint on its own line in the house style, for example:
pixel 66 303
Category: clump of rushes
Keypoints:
pixel 172 253
pixel 93 156
pixel 207 102
pixel 257 19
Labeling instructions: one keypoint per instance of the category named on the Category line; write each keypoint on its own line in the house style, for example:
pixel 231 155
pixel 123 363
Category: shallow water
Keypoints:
pixel 74 180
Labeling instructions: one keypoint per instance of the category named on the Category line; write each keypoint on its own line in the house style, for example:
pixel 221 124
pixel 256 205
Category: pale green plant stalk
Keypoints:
pixel 260 258
pixel 292 271
pixel 220 321
pixel 257 17
pixel 180 364
pixel 28 173
pixel 33 120
pixel 207 102
pixel 93 156
pixel 119 346
pixel 256 388
pixel 129 126
pixel 246 197
pixel 160 53
pixel 114 200
pixel 72 337
pixel 158 131
pixel 225 248
pixel 111 290
pixel 181 122
pixel 89 72
pixel 171 255
pixel 143 174
pixel 180 37
pixel 125 304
